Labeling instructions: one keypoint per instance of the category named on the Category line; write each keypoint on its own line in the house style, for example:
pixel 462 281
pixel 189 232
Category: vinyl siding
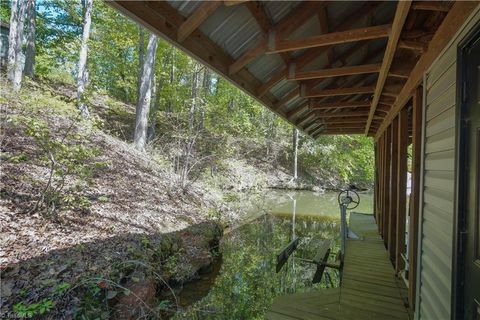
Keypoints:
pixel 438 184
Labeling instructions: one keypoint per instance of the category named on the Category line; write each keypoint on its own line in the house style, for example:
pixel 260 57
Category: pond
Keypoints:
pixel 244 282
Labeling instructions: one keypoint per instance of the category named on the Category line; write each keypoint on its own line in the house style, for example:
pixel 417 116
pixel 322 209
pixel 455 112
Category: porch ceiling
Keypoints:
pixel 326 67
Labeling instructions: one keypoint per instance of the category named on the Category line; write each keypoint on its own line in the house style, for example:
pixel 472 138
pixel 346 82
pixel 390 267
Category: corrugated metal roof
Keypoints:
pixel 276 10
pixel 264 66
pixel 235 30
pixel 185 7
pixel 232 28
pixel 283 88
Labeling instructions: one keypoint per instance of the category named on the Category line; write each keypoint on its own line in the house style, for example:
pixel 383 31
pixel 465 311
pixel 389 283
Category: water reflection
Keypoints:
pixel 247 283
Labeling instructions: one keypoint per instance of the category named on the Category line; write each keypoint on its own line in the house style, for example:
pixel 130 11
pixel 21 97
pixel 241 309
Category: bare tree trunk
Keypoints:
pixel 145 94
pixel 15 48
pixel 82 76
pixel 295 154
pixel 191 124
pixel 206 93
pixel 29 69
pixel 141 58
pixel 155 107
pixel 169 107
pixel 12 37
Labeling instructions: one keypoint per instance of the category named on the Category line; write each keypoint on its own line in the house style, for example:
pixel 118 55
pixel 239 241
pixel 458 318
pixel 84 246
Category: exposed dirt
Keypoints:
pixel 135 204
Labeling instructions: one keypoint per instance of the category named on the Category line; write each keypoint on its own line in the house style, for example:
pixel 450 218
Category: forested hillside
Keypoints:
pixel 118 151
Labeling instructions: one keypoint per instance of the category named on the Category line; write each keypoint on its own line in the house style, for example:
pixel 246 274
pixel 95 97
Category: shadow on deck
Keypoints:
pixel 369 288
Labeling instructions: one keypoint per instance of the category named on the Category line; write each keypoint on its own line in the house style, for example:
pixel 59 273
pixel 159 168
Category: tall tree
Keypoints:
pixel 82 76
pixel 295 154
pixel 145 95
pixel 15 63
pixel 29 69
pixel 190 143
pixel 141 58
pixel 12 37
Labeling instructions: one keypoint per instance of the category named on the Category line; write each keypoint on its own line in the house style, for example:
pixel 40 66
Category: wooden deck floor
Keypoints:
pixel 369 288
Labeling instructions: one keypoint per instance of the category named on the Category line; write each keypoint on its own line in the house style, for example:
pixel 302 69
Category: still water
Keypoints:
pixel 244 283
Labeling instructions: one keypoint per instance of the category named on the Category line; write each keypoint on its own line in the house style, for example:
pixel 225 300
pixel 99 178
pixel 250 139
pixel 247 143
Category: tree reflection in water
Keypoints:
pixel 247 282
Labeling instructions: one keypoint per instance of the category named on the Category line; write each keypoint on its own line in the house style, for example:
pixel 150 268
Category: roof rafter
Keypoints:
pixel 403 7
pixel 284 27
pixel 450 25
pixel 334 72
pixel 229 3
pixel 278 45
pixel 341 114
pixel 196 18
pixel 338 105
pixel 431 6
pixel 336 91
pixel 312 54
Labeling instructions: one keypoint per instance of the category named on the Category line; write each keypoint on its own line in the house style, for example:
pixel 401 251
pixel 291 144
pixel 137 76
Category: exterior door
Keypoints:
pixel 471 141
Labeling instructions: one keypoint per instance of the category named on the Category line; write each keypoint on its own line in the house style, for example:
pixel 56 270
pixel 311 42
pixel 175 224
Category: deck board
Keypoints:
pixel 369 290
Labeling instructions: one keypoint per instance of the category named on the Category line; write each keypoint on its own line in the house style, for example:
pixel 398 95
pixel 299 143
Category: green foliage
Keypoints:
pixel 349 159
pixel 23 310
pixel 227 122
pixel 61 288
pixel 66 153
pixel 5 6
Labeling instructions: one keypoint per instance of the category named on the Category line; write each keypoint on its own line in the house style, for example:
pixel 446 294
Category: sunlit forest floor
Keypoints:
pixel 82 214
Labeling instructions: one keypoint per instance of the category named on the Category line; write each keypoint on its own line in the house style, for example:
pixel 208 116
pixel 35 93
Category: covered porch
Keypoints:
pixel 348 68
pixel 369 287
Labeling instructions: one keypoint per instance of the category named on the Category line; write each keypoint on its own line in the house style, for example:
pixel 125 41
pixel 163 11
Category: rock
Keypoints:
pixel 138 299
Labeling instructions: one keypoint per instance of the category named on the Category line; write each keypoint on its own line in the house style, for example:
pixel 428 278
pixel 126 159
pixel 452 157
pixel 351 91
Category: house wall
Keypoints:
pixel 434 286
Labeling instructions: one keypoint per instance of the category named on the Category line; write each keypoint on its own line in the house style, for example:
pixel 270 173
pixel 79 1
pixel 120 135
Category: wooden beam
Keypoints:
pixel 334 72
pixel 323 21
pixel 401 13
pixel 312 54
pixel 256 9
pixel 248 57
pixel 416 46
pixel 264 88
pixel 342 114
pixel 337 92
pixel 392 90
pixel 381 180
pixel 378 157
pixel 284 27
pixel 386 185
pixel 297 110
pixel 348 120
pixel 229 3
pixel 295 19
pixel 414 195
pixel 337 133
pixel 317 105
pixel 449 27
pixel 344 126
pixel 196 18
pixel 375 32
pixel 400 71
pixel 442 6
pixel 392 220
pixel 287 98
pixel 402 145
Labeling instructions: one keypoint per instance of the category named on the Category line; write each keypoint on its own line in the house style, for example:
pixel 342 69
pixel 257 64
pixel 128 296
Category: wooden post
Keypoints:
pixel 386 185
pixel 414 196
pixel 392 222
pixel 380 182
pixel 375 185
pixel 402 188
